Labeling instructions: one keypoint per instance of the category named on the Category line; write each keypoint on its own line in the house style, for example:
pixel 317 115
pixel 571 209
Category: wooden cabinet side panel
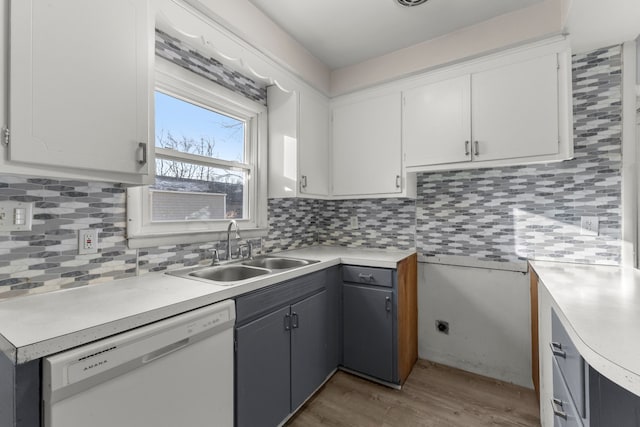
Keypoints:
pixel 407 315
pixel 535 366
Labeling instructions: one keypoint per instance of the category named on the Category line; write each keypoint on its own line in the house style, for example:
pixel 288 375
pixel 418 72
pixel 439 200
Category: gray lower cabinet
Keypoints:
pixel 262 371
pixel 19 393
pixel 380 320
pixel 282 337
pixel 368 331
pixel 611 405
pixel 308 347
pixel 582 397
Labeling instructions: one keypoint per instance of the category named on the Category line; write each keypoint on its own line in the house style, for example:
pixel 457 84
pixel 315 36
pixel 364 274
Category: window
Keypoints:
pixel 210 146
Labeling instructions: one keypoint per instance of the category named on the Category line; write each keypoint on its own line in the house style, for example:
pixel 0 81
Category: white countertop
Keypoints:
pixel 35 326
pixel 600 308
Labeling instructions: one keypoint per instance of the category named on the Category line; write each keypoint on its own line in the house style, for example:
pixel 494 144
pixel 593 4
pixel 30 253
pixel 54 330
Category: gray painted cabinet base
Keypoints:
pixel 19 393
pixel 282 356
pixel 610 404
pixel 262 374
pixel 368 331
pixel 308 347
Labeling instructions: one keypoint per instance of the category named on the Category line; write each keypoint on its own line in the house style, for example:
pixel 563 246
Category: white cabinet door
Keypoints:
pixel 436 122
pixel 298 144
pixel 79 85
pixel 367 147
pixel 515 110
pixel 283 142
pixel 313 157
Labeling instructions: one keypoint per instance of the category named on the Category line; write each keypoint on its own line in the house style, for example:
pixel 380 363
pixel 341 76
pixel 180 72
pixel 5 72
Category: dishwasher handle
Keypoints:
pixel 161 352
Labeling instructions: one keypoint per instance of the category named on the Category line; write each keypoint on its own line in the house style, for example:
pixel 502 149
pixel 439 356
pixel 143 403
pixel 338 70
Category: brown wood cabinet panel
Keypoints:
pixel 535 365
pixel 407 315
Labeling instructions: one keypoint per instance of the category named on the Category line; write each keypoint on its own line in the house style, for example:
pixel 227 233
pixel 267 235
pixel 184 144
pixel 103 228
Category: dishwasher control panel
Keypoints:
pixel 137 347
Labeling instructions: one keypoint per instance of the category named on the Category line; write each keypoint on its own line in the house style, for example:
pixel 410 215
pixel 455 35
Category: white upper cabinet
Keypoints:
pixel 508 110
pixel 298 143
pixel 366 146
pixel 79 94
pixel 515 110
pixel 437 122
pixel 313 157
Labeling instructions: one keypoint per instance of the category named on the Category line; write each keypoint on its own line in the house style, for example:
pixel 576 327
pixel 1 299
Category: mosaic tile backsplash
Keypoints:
pixel 503 214
pixel 515 213
pixel 180 53
pixel 382 223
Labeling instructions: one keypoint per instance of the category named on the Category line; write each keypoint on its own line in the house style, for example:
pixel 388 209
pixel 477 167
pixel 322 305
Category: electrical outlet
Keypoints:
pixel 353 222
pixel 589 225
pixel 88 241
pixel 442 327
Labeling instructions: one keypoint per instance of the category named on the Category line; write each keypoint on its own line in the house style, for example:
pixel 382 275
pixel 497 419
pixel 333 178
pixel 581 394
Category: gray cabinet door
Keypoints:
pixel 308 347
pixel 610 404
pixel 368 330
pixel 262 370
pixel 334 318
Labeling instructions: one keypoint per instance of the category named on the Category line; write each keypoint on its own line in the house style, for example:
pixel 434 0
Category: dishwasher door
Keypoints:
pixel 176 372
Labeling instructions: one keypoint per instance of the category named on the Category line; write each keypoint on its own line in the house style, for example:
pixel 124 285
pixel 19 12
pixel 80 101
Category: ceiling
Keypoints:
pixel 343 33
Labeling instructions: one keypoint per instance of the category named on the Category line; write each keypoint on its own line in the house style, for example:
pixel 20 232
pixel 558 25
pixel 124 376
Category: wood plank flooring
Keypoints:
pixel 433 396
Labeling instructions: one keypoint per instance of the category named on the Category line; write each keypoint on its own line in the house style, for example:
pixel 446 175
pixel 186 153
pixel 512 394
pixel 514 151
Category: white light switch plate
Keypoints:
pixel 16 216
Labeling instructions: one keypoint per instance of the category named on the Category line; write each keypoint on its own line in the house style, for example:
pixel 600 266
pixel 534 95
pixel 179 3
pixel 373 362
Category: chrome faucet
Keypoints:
pixel 233 224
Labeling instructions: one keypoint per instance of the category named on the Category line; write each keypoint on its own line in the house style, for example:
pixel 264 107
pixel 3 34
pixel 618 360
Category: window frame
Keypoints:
pixel 175 81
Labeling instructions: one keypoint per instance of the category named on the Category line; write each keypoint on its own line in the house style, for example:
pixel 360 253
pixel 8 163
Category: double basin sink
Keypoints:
pixel 234 272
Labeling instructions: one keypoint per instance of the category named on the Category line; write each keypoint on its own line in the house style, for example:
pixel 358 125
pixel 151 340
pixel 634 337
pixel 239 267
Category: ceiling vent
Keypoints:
pixel 410 3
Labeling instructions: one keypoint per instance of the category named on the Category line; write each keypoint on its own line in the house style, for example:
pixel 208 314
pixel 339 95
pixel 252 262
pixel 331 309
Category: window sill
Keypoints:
pixel 155 240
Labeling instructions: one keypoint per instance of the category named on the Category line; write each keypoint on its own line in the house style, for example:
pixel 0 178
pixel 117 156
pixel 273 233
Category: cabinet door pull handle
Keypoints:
pixel 556 349
pixel 143 147
pixel 303 181
pixel 466 148
pixel 476 152
pixel 387 303
pixel 398 182
pixel 287 322
pixel 365 277
pixel 294 320
pixel 556 404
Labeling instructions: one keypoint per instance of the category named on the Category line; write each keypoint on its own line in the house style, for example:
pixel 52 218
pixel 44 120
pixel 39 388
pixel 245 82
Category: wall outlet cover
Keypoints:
pixel 589 225
pixel 88 241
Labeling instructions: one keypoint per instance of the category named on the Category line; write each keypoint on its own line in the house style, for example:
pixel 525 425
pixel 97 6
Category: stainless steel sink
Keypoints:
pixel 240 271
pixel 277 263
pixel 229 273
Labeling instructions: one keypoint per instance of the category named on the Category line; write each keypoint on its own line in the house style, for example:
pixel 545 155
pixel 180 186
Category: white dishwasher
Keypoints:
pixel 176 372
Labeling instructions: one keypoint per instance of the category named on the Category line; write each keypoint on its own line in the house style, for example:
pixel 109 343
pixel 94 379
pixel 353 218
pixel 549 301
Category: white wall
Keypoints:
pixel 4 72
pixel 510 29
pixel 489 319
pixel 249 23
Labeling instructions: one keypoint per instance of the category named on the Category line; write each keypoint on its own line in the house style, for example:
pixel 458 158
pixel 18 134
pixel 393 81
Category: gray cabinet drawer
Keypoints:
pixel 262 301
pixel 565 414
pixel 368 275
pixel 570 363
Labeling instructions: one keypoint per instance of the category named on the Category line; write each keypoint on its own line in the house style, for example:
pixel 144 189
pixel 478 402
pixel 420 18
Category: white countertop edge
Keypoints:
pixel 601 363
pixel 327 255
pixel 616 373
pixel 465 261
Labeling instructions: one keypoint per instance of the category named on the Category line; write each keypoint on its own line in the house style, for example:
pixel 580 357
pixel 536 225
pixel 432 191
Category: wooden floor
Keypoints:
pixel 434 395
